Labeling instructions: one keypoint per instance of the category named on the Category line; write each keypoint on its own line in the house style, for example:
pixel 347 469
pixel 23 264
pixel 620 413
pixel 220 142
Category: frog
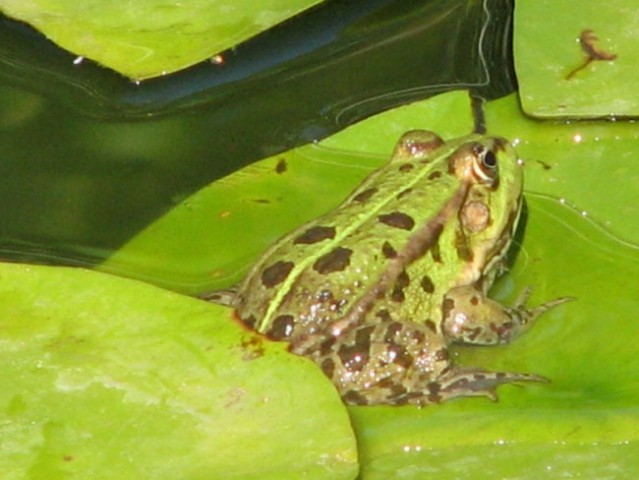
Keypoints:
pixel 378 290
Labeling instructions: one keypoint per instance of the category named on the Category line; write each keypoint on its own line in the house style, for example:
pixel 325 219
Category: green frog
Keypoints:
pixel 375 291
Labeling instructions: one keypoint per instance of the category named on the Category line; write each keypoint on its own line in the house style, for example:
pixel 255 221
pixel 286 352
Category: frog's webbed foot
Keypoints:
pixel 528 315
pixel 221 297
pixel 474 382
pixel 472 318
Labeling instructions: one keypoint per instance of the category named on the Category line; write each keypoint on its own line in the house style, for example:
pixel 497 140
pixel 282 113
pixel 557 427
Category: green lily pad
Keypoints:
pixel 148 38
pixel 104 377
pixel 576 59
pixel 581 423
pixel 588 166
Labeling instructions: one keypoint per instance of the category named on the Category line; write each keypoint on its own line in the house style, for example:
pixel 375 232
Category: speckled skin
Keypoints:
pixel 377 289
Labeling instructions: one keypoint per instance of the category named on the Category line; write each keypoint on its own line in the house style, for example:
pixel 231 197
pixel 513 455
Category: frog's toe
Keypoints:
pixel 471 382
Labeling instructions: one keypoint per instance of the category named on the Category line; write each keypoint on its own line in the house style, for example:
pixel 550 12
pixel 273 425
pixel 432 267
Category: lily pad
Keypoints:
pixel 148 38
pixel 581 423
pixel 576 59
pixel 104 377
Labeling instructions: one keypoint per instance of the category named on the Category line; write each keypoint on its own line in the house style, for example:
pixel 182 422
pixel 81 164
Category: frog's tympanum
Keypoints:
pixel 376 290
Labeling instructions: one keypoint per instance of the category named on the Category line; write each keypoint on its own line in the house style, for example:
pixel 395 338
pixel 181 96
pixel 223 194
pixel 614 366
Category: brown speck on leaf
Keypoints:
pixel 544 165
pixel 261 200
pixel 68 458
pixel 252 346
pixel 281 166
pixel 587 41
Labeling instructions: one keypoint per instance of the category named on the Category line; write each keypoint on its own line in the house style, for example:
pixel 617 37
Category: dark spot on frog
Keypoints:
pixel 355 356
pixel 397 220
pixel 435 253
pixel 334 261
pixel 429 324
pixel 503 330
pixel 388 251
pixel 328 367
pixel 315 234
pixel 402 357
pixel 326 346
pixel 281 328
pixel 464 253
pixel 276 273
pixel 471 333
pixel 433 392
pixel 352 358
pixel 474 300
pixel 447 306
pixel 365 195
pixel 281 166
pixel 384 315
pixel 442 355
pixel 398 393
pixel 418 336
pixel 403 280
pixel 403 193
pixel 391 331
pixel 352 397
pixel 253 347
pixel 435 175
pixel 406 167
pixel 363 337
pixel 427 284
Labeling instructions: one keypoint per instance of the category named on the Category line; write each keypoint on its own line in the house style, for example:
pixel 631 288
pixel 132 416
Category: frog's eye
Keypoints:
pixel 485 166
pixel 489 160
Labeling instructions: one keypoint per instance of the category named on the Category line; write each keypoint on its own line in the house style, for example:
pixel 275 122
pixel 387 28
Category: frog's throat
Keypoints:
pixel 418 244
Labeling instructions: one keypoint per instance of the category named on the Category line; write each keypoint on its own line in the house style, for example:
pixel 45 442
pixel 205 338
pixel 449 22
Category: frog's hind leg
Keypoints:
pixel 474 382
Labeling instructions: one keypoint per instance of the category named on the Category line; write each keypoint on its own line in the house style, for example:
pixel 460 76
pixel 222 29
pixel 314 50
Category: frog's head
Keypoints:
pixel 490 169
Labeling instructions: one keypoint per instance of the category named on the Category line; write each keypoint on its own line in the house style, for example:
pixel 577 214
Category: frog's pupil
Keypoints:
pixel 490 160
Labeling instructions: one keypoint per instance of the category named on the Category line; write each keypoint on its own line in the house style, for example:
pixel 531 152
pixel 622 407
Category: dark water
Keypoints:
pixel 88 158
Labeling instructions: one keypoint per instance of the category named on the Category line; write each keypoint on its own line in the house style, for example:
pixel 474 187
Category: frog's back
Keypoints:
pixel 314 275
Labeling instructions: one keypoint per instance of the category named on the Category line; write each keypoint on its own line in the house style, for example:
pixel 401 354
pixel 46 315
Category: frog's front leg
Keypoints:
pixel 472 318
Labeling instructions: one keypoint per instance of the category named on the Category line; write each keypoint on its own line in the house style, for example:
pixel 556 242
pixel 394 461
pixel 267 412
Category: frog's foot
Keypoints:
pixel 528 315
pixel 221 297
pixel 474 382
pixel 472 318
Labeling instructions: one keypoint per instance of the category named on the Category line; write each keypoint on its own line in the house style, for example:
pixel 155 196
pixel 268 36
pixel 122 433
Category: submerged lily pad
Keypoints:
pixel 147 38
pixel 210 239
pixel 104 378
pixel 577 58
